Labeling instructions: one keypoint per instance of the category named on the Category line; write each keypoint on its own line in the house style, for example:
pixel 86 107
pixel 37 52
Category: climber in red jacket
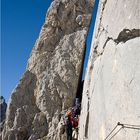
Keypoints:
pixel 69 125
pixel 71 122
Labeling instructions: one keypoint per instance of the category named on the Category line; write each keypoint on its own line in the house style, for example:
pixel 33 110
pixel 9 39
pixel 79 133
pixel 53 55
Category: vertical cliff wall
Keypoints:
pixel 112 84
pixel 49 85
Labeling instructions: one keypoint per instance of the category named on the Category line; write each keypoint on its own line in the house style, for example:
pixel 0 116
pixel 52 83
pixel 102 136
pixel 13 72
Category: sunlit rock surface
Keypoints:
pixel 112 84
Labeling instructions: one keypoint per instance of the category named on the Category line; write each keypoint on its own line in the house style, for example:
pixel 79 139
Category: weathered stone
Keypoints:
pixel 21 108
pixel 49 85
pixel 111 88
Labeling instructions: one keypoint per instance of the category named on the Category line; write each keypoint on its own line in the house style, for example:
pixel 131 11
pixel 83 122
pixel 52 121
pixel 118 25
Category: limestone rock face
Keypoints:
pixel 112 84
pixel 48 87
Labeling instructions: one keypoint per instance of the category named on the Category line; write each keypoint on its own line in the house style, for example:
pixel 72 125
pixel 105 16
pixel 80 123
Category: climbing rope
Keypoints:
pixel 130 125
pixel 116 133
pixel 127 126
pixel 111 131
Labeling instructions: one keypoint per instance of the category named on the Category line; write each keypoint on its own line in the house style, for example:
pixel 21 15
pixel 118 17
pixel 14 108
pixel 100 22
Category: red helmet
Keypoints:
pixel 69 113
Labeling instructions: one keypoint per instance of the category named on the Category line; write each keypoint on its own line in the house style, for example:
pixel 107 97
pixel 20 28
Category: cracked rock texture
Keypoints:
pixel 112 84
pixel 49 85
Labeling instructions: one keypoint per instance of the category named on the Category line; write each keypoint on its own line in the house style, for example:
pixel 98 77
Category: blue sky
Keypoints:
pixel 21 21
pixel 90 34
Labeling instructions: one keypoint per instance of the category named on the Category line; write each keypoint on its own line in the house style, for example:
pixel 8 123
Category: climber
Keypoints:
pixel 77 108
pixel 72 119
pixel 69 124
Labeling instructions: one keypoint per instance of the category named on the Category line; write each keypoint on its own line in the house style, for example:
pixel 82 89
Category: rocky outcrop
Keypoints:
pixel 111 88
pixel 49 85
pixel 3 107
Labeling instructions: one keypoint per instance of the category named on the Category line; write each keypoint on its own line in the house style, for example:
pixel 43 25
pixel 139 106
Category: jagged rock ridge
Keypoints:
pixel 3 107
pixel 48 87
pixel 111 88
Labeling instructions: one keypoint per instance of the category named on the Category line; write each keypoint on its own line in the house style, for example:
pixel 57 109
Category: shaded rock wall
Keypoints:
pixel 49 85
pixel 111 88
pixel 3 107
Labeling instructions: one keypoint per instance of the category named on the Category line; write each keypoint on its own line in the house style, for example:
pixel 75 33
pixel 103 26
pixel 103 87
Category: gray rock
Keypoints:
pixel 49 85
pixel 3 107
pixel 21 109
pixel 111 88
